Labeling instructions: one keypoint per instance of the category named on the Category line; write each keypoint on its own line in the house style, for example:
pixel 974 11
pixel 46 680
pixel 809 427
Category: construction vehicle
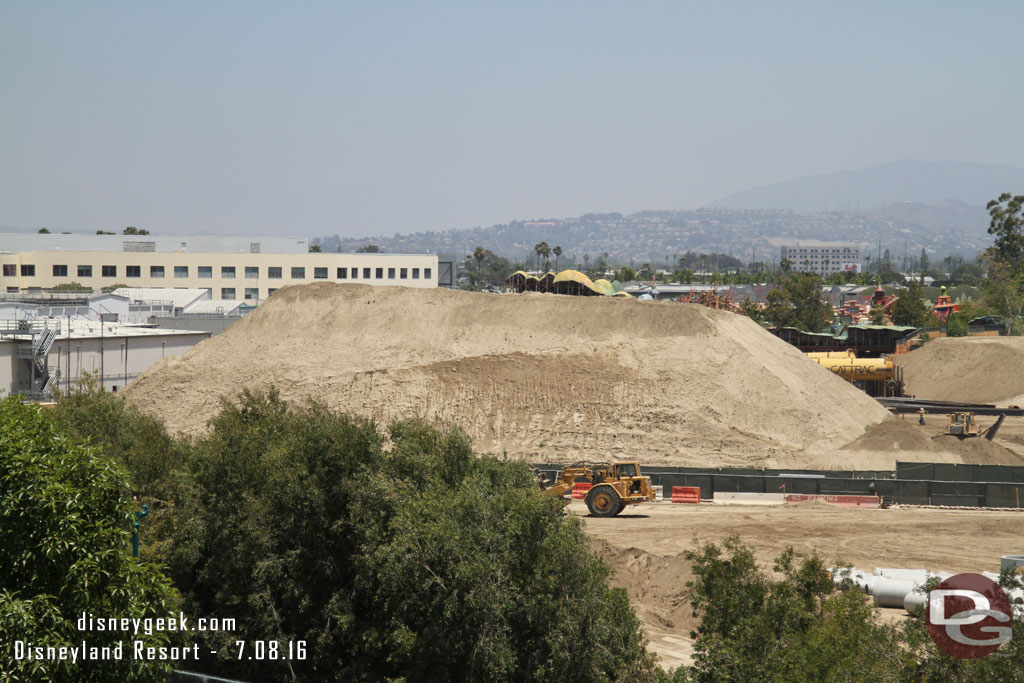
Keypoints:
pixel 613 486
pixel 963 425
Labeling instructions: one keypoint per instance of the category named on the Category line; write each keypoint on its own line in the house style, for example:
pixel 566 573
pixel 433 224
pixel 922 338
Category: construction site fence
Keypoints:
pixel 909 484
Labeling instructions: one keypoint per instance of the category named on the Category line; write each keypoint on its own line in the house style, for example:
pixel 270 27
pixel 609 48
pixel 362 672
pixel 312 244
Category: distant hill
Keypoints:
pixel 660 237
pixel 923 182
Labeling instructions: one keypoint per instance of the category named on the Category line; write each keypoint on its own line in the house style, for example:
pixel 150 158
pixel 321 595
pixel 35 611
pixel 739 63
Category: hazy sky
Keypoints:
pixel 367 118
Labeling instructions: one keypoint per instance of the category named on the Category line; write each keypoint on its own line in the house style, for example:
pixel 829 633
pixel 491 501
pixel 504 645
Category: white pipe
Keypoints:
pixel 891 592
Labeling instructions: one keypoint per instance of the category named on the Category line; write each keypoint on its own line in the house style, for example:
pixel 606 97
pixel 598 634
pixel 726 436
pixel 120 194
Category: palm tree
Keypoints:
pixel 479 254
pixel 557 251
pixel 545 251
pixel 542 249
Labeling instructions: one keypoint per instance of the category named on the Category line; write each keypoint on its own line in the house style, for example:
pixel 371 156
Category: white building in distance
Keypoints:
pixel 823 258
pixel 229 268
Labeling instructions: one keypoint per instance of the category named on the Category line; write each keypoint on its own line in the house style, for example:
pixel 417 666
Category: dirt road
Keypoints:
pixel 645 547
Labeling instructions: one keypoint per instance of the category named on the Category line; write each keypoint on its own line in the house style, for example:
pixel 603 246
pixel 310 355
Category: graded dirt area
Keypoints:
pixel 543 377
pixel 645 547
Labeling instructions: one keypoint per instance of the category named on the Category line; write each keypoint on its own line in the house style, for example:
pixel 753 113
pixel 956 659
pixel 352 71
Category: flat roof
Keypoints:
pixel 91 329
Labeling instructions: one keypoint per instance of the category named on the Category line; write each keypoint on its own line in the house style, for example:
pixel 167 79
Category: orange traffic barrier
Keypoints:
pixel 685 494
pixel 579 489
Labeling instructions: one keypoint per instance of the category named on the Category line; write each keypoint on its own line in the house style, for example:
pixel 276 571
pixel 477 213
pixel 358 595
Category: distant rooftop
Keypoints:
pixel 810 244
pixel 202 244
pixel 178 297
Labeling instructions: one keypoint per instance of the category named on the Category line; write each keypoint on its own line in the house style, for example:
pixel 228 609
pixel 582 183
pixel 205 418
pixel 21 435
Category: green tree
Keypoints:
pixel 557 251
pixel 753 311
pixel 43 231
pixel 798 303
pixel 132 230
pixel 368 249
pixel 754 627
pixel 65 527
pixel 956 326
pixel 1007 224
pixel 479 255
pixel 315 249
pixel 110 288
pixel 625 274
pixel 103 232
pixel 423 562
pixel 910 308
pixel 1004 290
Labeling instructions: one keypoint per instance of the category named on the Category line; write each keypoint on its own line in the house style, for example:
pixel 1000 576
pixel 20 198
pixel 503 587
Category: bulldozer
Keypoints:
pixel 614 486
pixel 963 425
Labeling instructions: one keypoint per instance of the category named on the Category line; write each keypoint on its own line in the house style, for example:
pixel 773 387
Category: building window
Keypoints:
pixel 108 271
pixel 252 272
pixel 403 273
pixel 426 273
pixel 319 273
pixel 252 293
pixel 270 291
pixel 133 271
pixel 227 272
pixel 205 272
pixel 180 271
pixel 274 272
pixel 366 273
pixel 298 273
pixel 380 273
pixel 342 273
pixel 227 292
pixel 11 269
pixel 60 271
pixel 156 271
pixel 84 271
pixel 28 271
pixel 415 273
pixel 391 273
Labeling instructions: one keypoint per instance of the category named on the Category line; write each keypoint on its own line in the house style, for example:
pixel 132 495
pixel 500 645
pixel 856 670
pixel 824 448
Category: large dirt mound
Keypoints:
pixel 539 376
pixel 967 369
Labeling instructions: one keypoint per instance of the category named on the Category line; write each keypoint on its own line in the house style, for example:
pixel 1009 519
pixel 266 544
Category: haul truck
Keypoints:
pixel 614 486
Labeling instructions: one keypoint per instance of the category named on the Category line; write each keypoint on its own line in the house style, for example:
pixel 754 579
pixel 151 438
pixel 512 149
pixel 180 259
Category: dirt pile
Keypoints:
pixel 967 369
pixel 904 439
pixel 539 376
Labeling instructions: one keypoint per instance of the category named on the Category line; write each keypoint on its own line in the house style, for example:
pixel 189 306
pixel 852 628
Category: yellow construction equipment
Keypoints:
pixel 613 486
pixel 876 376
pixel 962 425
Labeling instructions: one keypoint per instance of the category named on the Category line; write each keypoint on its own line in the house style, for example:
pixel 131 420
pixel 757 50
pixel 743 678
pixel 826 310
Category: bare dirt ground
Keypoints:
pixel 645 547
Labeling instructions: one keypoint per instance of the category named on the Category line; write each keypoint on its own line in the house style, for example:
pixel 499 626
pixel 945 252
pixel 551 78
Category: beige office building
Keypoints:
pixel 237 268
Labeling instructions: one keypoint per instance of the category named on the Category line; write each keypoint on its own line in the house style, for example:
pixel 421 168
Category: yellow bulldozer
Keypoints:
pixel 613 486
pixel 963 425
